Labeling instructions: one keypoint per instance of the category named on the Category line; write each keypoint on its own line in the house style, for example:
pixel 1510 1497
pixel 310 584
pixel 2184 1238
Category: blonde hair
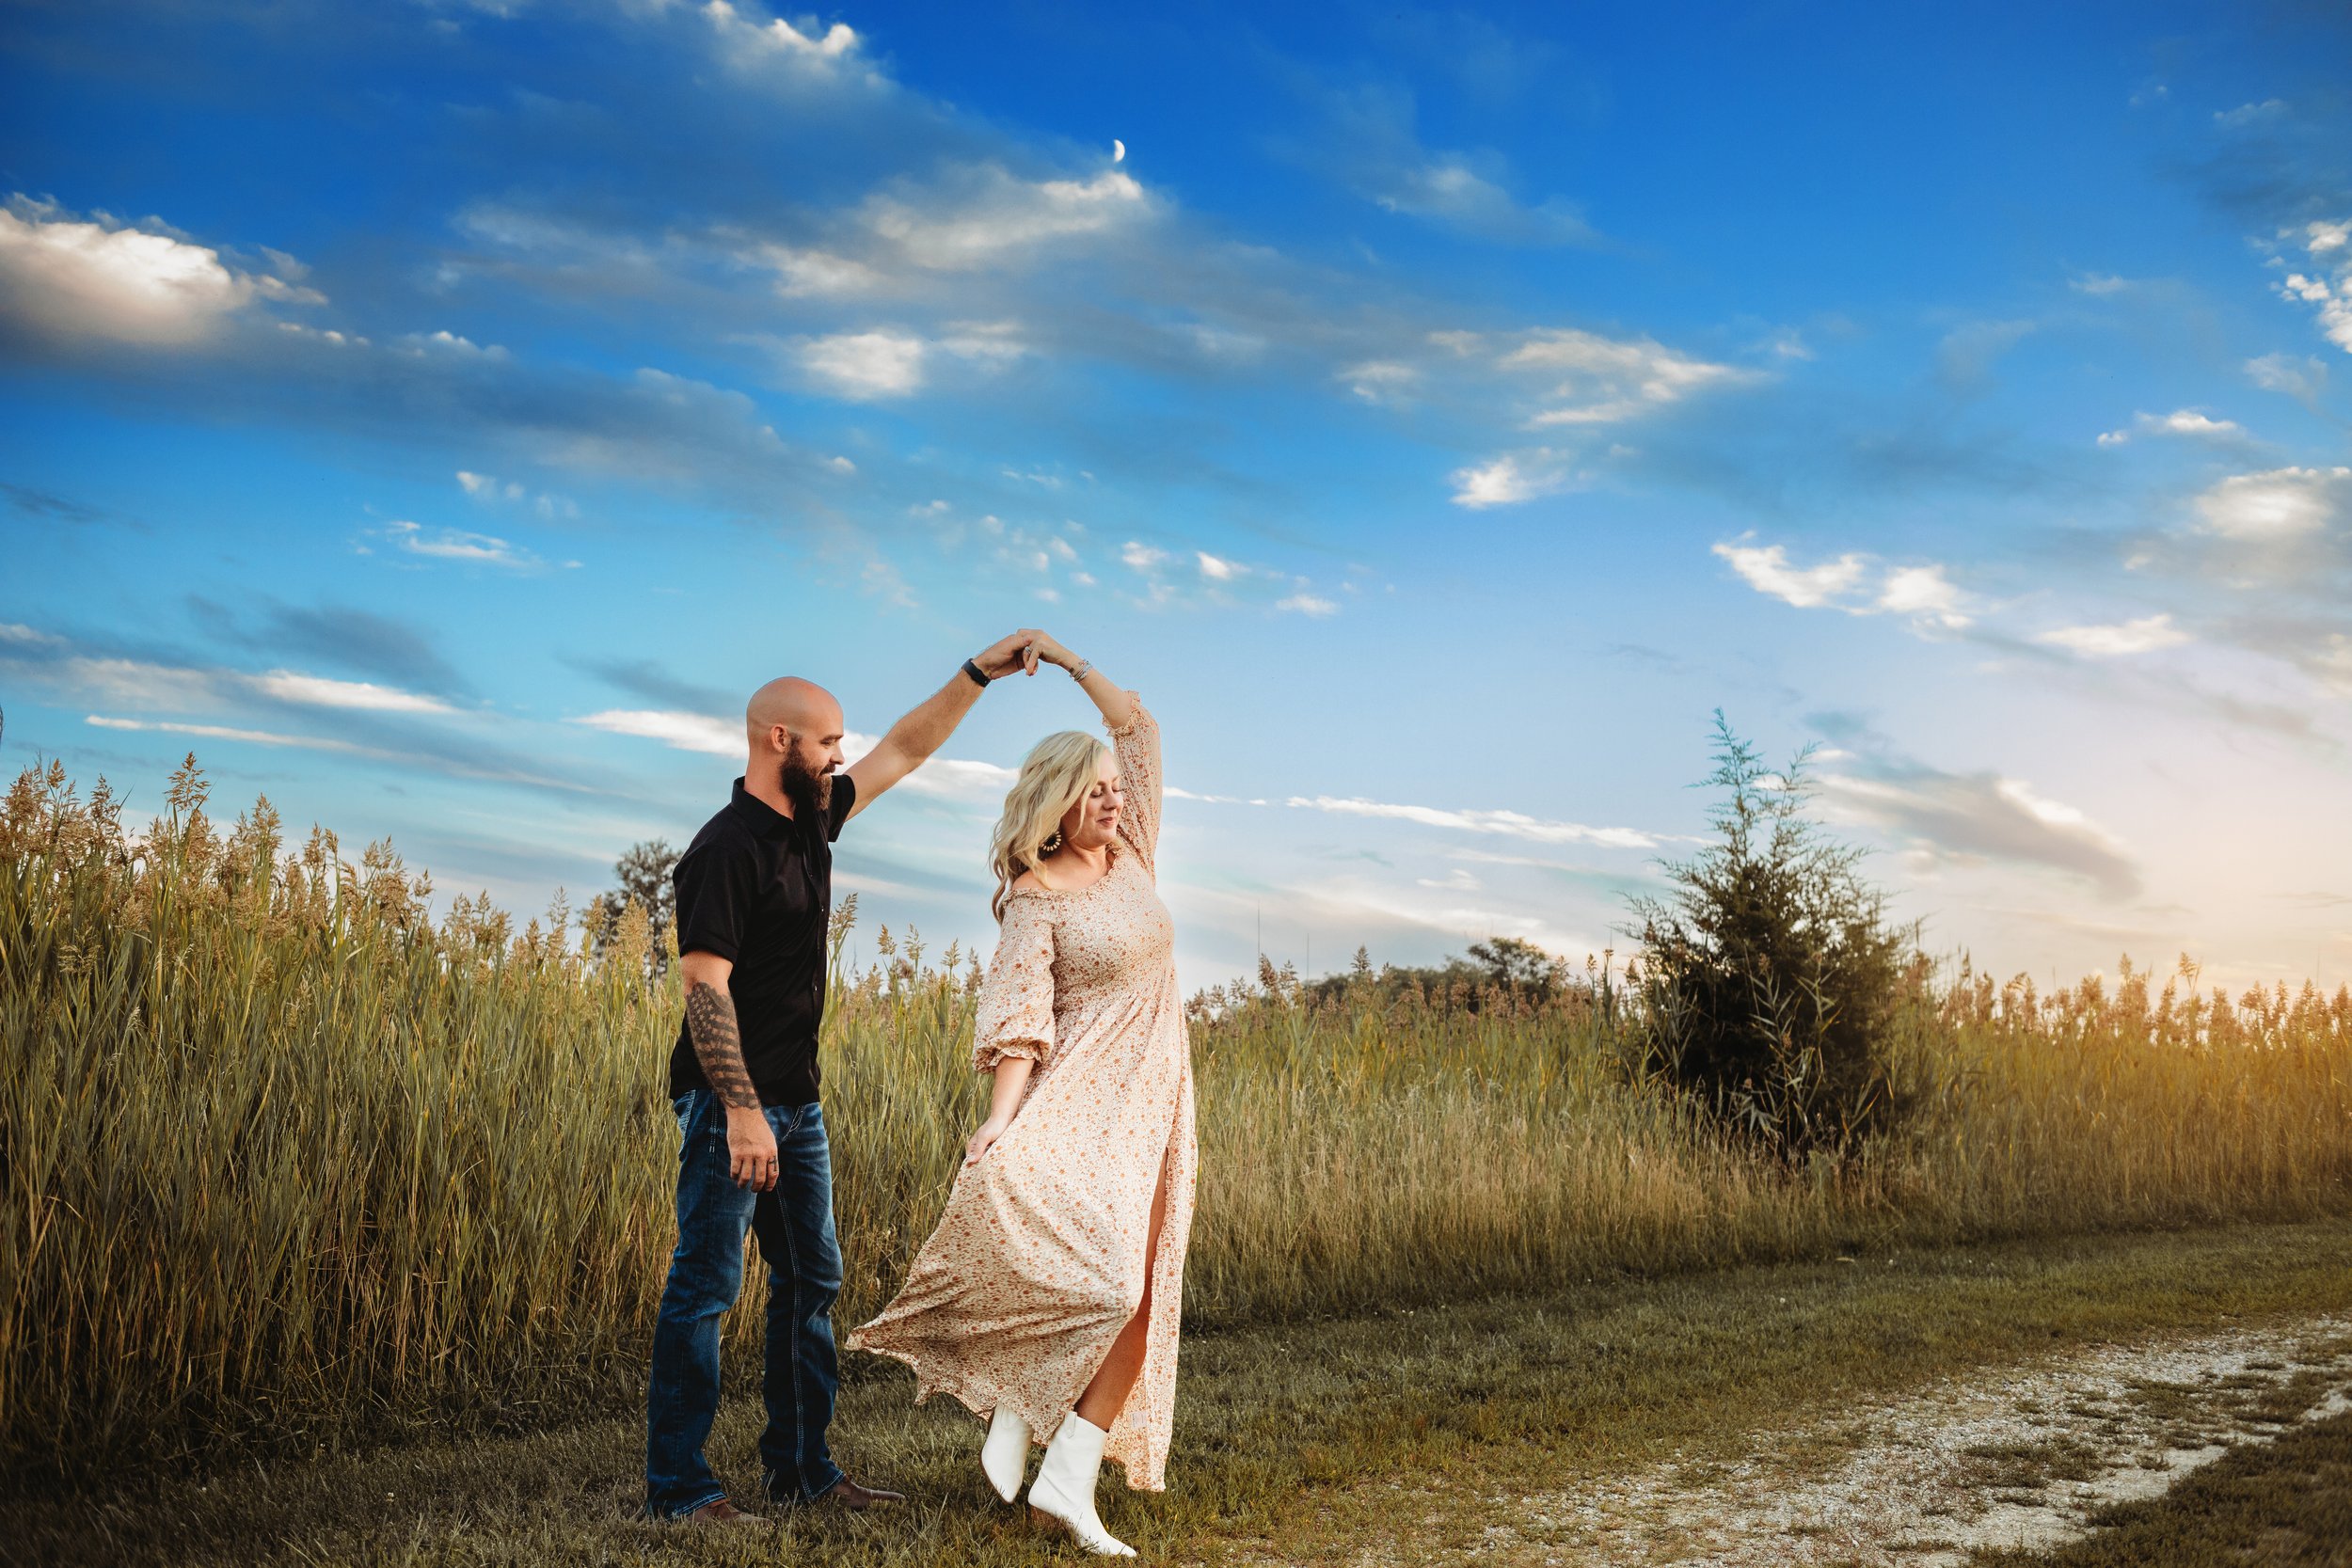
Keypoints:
pixel 1055 776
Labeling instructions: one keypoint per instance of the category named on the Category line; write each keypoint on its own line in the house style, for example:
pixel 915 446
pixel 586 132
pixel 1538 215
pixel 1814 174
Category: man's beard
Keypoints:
pixel 810 793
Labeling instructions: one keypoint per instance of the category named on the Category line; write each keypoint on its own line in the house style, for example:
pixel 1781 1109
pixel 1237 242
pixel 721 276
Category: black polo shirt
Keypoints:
pixel 756 888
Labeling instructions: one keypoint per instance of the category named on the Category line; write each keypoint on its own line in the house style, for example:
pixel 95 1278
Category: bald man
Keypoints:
pixel 755 895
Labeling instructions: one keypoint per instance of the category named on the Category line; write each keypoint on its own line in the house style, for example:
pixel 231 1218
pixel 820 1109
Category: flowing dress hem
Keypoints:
pixel 976 1396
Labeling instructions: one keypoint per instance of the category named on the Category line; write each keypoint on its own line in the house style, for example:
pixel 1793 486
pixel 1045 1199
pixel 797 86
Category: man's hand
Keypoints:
pixel 751 1149
pixel 1009 654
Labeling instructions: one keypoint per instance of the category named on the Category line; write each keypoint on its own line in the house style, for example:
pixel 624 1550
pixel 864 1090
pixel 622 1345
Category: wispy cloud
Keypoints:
pixel 2145 635
pixel 959 777
pixel 2277 506
pixel 2183 422
pixel 228 732
pixel 1922 594
pixel 684 732
pixel 287 685
pixel 863 365
pixel 1368 140
pixel 450 543
pixel 1970 817
pixel 1508 824
pixel 2297 376
pixel 2249 113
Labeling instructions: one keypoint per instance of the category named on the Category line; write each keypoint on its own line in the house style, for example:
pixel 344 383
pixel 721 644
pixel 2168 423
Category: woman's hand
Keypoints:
pixel 1044 647
pixel 980 1142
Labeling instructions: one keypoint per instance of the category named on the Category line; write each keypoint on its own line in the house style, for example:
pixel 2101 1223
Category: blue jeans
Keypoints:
pixel 794 1224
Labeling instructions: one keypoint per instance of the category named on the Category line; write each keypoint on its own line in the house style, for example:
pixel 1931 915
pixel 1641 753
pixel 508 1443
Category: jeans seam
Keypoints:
pixel 682 1513
pixel 792 1327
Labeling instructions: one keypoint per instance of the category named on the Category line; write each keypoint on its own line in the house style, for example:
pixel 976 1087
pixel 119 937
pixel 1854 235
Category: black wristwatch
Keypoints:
pixel 974 670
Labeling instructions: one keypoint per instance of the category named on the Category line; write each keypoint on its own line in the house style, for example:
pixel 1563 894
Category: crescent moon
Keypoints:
pixel 1119 152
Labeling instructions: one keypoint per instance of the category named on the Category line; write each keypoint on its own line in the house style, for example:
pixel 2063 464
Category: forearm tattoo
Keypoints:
pixel 719 1045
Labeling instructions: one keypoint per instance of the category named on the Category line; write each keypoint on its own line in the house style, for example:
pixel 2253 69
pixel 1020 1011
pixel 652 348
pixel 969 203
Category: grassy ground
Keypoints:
pixel 2286 1504
pixel 1284 1434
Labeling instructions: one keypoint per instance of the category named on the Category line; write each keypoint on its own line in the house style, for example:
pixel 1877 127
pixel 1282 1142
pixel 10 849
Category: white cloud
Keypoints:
pixel 947 778
pixel 2099 283
pixel 1308 604
pixel 1509 824
pixel 2183 422
pixel 1925 595
pixel 449 544
pixel 11 632
pixel 990 342
pixel 71 277
pixel 991 216
pixel 866 365
pixel 2333 663
pixel 1767 570
pixel 2330 245
pixel 2145 635
pixel 750 43
pixel 1921 593
pixel 804 271
pixel 1626 373
pixel 958 777
pixel 840 465
pixel 127 680
pixel 1381 381
pixel 319 691
pixel 1508 480
pixel 2300 377
pixel 449 345
pixel 2280 504
pixel 224 732
pixel 1965 817
pixel 2249 113
pixel 1142 557
pixel 1217 569
pixel 684 732
pixel 1969 352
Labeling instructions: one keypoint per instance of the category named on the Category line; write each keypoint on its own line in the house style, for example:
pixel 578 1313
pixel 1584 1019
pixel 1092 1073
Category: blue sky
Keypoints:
pixel 439 418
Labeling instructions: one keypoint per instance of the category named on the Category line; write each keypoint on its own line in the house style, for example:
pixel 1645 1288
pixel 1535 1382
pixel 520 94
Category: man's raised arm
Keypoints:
pixel 926 726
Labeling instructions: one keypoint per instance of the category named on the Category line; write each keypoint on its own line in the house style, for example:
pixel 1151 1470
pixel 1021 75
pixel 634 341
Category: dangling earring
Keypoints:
pixel 1052 842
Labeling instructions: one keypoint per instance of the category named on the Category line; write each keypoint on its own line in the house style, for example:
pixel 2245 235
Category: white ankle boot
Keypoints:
pixel 1006 1454
pixel 1064 1488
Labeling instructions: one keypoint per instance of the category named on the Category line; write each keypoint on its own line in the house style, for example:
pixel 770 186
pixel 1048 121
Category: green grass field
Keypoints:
pixel 1286 1436
pixel 292 1167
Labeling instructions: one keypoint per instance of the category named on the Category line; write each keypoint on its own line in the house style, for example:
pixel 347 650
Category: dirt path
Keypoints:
pixel 2017 1458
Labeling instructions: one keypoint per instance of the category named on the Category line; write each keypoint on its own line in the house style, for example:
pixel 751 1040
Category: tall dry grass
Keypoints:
pixel 282 1157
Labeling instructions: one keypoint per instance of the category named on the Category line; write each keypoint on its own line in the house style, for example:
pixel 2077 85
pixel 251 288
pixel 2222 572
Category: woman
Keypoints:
pixel 1047 1299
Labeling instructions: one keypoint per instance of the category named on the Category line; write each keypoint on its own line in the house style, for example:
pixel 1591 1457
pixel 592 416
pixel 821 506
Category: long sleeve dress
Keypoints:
pixel 1038 1260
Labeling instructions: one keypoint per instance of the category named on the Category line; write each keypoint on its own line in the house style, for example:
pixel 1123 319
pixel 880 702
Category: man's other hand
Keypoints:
pixel 751 1149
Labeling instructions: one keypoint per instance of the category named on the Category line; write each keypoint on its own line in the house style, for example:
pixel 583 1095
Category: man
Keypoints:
pixel 753 897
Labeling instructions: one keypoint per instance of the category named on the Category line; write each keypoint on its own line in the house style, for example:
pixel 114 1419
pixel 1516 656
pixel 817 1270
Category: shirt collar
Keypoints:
pixel 761 817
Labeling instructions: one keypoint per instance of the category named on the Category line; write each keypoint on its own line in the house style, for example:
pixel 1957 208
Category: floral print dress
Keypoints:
pixel 1038 1260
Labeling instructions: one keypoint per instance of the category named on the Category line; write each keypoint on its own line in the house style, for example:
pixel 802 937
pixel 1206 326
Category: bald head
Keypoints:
pixel 792 735
pixel 801 707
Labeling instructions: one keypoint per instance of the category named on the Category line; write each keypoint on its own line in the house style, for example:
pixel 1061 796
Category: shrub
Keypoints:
pixel 1770 977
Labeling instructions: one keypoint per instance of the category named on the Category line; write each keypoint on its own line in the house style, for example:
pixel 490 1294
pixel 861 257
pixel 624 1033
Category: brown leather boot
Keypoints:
pixel 848 1494
pixel 719 1512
